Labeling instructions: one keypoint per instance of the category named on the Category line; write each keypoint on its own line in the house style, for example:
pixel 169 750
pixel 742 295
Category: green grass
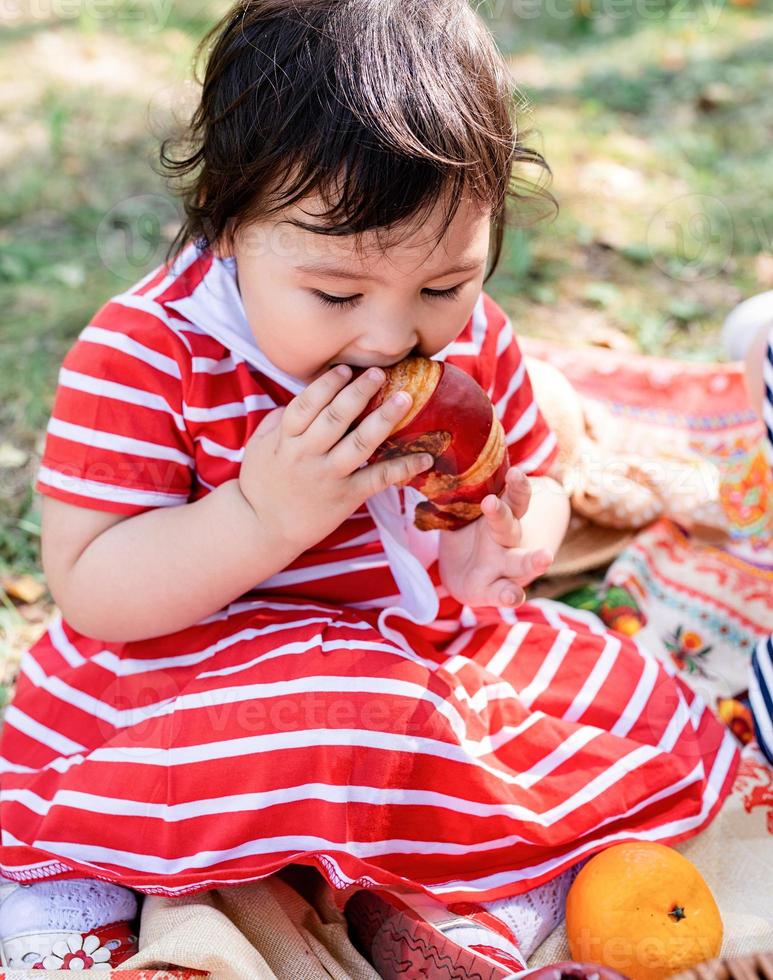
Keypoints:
pixel 657 127
pixel 658 134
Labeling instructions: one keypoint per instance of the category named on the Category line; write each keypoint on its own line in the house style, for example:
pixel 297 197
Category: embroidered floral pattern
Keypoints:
pixel 754 783
pixel 687 648
pixel 620 612
pixel 736 714
pixel 746 495
pixel 615 606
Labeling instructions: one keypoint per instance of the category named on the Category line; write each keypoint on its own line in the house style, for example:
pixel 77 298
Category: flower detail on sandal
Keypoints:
pixel 98 949
pixel 77 953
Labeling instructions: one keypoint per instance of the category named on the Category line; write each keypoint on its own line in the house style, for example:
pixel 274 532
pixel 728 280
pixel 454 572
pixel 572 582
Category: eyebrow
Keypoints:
pixel 332 272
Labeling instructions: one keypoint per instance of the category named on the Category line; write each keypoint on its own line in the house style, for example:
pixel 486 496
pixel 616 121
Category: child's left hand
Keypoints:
pixel 483 564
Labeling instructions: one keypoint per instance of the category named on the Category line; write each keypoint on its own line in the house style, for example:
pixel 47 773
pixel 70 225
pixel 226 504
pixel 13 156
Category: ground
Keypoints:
pixel 654 116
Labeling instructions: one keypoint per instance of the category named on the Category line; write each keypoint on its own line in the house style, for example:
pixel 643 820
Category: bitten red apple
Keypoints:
pixel 453 419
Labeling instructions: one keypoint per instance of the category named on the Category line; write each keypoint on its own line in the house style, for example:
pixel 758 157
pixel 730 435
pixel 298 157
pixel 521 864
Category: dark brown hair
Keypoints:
pixel 383 107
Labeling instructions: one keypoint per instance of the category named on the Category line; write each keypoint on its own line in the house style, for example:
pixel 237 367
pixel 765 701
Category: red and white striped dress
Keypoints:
pixel 482 757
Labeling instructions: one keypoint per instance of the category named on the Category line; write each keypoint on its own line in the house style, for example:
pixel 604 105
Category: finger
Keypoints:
pixel 501 523
pixel 336 419
pixel 524 566
pixel 518 491
pixel 507 593
pixel 271 420
pixel 307 405
pixel 358 446
pixel 390 472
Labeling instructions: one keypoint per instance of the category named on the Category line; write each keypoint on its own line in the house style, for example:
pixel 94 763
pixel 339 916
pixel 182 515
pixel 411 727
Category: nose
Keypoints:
pixel 388 347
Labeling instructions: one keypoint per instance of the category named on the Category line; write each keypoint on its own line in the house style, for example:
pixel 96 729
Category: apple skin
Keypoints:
pixel 453 419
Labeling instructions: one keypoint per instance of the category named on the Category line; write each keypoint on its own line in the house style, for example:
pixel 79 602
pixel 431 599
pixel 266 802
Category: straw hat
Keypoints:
pixel 588 546
pixel 619 478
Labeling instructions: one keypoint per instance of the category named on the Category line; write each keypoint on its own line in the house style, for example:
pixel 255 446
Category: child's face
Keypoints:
pixel 391 310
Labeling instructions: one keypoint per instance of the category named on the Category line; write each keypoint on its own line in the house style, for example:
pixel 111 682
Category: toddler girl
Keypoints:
pixel 260 661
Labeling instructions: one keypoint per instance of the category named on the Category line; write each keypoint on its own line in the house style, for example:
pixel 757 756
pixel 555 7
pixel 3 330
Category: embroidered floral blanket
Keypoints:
pixel 701 604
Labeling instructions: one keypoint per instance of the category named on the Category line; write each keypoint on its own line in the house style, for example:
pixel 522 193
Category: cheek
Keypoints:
pixel 312 333
pixel 448 321
pixel 291 319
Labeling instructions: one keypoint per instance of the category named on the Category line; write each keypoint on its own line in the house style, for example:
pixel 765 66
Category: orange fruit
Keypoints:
pixel 643 909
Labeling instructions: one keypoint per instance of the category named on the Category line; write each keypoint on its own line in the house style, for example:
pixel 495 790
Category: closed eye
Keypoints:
pixel 337 301
pixel 344 302
pixel 443 293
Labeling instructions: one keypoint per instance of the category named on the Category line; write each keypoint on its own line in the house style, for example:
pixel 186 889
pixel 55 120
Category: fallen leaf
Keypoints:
pixel 11 457
pixel 715 95
pixel 605 335
pixel 24 588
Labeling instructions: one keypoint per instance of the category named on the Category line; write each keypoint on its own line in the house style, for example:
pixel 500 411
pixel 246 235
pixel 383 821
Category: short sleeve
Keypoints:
pixel 117 440
pixel 531 444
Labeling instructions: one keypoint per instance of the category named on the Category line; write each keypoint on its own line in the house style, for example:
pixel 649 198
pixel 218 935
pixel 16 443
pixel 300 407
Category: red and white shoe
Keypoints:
pixel 425 940
pixel 101 948
pixel 67 924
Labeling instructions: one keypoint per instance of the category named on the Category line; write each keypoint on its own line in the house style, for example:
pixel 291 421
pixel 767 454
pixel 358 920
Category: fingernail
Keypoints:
pixel 375 374
pixel 401 399
pixel 343 370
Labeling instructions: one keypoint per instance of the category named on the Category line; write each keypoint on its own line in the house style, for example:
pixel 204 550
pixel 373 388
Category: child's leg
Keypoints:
pixel 66 924
pixel 748 336
pixel 533 915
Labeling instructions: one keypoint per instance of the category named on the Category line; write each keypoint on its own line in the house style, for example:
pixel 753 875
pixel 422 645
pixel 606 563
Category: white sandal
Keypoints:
pixel 66 924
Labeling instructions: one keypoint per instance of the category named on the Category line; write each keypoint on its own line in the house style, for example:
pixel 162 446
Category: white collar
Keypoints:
pixel 216 307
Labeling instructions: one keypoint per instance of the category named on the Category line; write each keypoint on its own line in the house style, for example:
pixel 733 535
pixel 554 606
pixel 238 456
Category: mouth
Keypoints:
pixel 382 364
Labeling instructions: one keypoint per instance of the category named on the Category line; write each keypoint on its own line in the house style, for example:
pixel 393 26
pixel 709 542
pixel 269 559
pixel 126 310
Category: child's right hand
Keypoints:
pixel 301 470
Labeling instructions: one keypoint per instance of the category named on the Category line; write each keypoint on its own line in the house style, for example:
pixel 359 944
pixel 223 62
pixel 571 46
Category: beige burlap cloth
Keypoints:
pixel 284 926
